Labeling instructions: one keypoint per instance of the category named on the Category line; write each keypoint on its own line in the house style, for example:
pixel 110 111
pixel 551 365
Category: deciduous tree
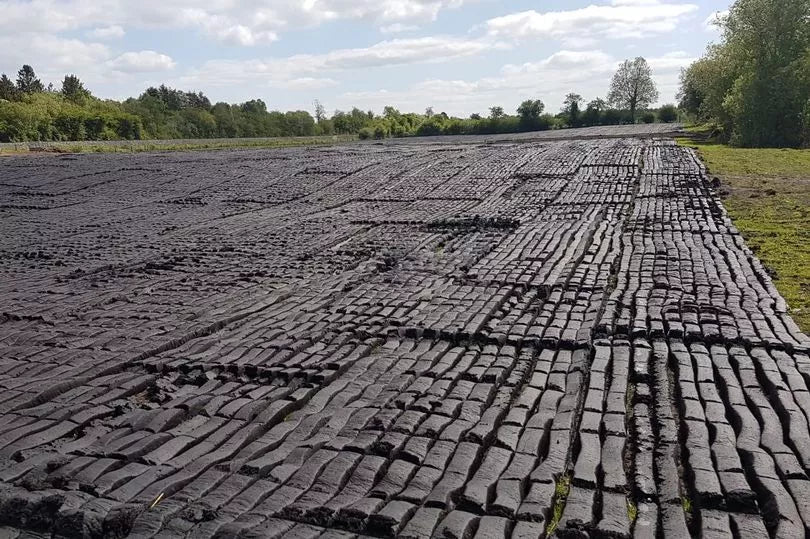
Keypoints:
pixel 593 114
pixel 632 87
pixel 320 111
pixel 571 109
pixel 755 83
pixel 531 108
pixel 529 112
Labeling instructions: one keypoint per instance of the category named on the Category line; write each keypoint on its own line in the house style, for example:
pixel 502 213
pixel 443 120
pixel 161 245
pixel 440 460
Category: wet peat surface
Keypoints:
pixel 460 339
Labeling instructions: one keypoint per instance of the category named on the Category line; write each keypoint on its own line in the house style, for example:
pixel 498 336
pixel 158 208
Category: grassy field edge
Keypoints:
pixel 766 192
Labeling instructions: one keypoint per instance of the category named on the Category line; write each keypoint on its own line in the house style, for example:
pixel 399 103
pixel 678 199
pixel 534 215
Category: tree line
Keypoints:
pixel 754 85
pixel 30 111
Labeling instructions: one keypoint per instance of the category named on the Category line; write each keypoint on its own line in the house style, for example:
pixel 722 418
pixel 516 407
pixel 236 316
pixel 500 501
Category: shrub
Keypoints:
pixel 130 127
pixel 668 114
pixel 380 132
pixel 546 121
pixel 612 117
pixel 398 130
pixel 70 126
pixel 430 127
pixel 648 117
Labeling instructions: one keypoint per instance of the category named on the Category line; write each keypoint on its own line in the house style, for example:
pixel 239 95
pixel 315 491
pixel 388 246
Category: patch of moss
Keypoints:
pixel 561 490
pixel 632 511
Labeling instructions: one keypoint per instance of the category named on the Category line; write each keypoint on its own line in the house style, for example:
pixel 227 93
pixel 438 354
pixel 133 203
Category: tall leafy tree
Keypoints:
pixel 771 39
pixel 73 89
pixel 27 81
pixel 632 87
pixel 173 99
pixel 756 82
pixel 226 119
pixel 197 100
pixel 531 108
pixel 705 83
pixel 593 112
pixel 598 104
pixel 391 112
pixel 529 112
pixel 320 111
pixel 496 112
pixel 571 108
pixel 254 106
pixel 8 90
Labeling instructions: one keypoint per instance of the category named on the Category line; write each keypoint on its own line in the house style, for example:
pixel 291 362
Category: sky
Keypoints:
pixel 457 56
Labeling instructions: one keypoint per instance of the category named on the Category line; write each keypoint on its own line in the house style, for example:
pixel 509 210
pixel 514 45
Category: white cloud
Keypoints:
pixel 242 35
pixel 52 56
pixel 107 32
pixel 142 62
pixel 398 28
pixel 279 71
pixel 381 11
pixel 304 83
pixel 38 15
pixel 620 19
pixel 564 60
pixel 592 38
pixel 244 23
pixel 227 29
pixel 549 79
pixel 587 72
pixel 711 23
pixel 399 51
pixel 670 62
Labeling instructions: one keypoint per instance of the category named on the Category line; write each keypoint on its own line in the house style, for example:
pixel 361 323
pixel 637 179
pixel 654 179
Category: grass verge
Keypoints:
pixel 767 194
